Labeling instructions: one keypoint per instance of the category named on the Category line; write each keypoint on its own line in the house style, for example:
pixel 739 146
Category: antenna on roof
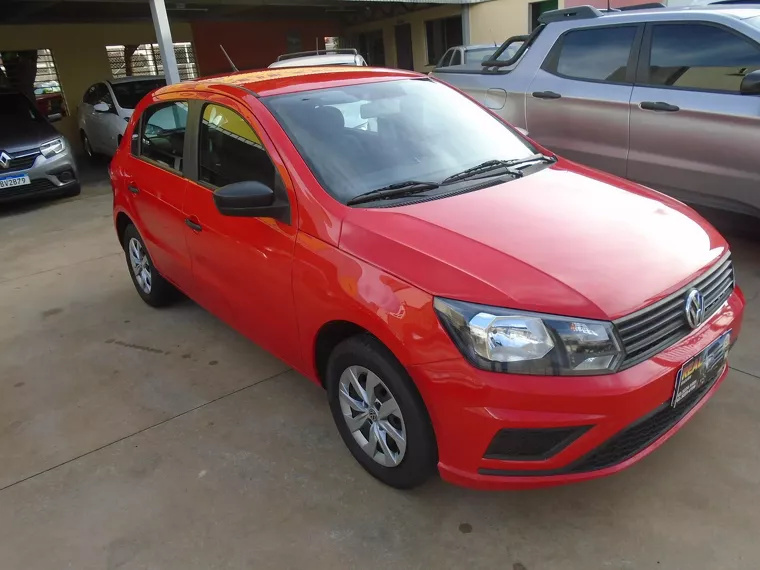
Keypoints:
pixel 232 65
pixel 490 31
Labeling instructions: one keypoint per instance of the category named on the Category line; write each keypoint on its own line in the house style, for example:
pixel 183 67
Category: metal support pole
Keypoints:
pixel 164 39
pixel 466 24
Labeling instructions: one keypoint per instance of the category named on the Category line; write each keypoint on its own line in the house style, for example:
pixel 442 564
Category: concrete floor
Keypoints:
pixel 160 439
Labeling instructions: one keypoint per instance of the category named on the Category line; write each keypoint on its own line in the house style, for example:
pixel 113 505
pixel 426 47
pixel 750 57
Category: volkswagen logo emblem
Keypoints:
pixel 5 160
pixel 694 308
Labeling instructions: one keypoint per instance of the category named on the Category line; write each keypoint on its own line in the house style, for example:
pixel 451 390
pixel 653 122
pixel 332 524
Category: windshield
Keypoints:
pixel 362 137
pixel 129 93
pixel 478 55
pixel 17 106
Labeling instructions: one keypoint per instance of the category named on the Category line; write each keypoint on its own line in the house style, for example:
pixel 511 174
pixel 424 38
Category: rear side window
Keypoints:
pixel 230 150
pixel 599 54
pixel 697 56
pixel 163 134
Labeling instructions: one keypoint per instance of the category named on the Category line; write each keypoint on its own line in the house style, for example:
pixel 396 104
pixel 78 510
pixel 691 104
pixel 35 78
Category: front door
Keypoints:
pixel 242 265
pixel 577 104
pixel 693 134
pixel 404 50
pixel 158 189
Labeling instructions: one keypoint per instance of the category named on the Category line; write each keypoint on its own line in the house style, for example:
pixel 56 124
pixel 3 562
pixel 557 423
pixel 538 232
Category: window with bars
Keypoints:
pixel 145 59
pixel 16 68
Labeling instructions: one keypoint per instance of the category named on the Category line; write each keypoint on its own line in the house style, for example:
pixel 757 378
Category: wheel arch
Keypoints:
pixel 122 221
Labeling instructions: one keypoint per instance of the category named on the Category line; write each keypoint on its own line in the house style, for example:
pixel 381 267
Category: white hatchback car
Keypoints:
pixel 106 108
pixel 341 56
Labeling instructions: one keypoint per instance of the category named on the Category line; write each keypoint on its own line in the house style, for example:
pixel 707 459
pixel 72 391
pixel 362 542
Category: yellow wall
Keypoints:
pixel 497 20
pixel 419 40
pixel 80 55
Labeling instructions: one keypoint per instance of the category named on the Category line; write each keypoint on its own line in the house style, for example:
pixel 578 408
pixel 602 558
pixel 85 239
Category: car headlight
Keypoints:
pixel 519 342
pixel 52 148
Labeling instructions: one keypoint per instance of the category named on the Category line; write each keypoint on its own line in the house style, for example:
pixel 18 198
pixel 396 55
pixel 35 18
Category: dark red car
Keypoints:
pixel 470 301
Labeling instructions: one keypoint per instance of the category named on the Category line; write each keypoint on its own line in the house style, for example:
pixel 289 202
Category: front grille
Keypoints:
pixel 655 328
pixel 20 161
pixel 642 434
pixel 38 185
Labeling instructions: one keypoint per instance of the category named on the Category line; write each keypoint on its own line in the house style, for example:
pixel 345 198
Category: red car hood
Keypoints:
pixel 565 240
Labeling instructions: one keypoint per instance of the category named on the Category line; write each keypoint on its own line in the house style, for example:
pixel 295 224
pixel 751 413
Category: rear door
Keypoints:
pixel 578 103
pixel 158 187
pixel 693 134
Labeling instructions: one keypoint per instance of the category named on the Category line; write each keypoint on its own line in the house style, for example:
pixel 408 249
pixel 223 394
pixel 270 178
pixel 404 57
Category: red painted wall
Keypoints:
pixel 253 45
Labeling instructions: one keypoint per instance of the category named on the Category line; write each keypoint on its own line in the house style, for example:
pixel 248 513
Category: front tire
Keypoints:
pixel 150 284
pixel 379 413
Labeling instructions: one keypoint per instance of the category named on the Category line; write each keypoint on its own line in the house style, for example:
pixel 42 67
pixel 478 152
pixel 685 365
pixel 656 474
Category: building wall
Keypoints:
pixel 419 41
pixel 253 45
pixel 80 55
pixel 497 20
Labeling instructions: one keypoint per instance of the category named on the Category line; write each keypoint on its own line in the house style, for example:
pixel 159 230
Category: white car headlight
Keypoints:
pixel 52 148
pixel 519 342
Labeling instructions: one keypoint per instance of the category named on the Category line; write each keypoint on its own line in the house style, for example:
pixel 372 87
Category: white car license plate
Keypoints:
pixel 11 181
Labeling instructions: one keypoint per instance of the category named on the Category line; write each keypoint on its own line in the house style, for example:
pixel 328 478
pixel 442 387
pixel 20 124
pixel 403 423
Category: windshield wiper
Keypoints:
pixel 397 190
pixel 490 165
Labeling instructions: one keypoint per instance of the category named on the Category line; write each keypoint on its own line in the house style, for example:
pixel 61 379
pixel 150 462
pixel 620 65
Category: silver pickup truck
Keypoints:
pixel 667 97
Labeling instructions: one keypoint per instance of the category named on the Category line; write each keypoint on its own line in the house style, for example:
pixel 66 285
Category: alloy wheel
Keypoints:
pixel 372 415
pixel 138 259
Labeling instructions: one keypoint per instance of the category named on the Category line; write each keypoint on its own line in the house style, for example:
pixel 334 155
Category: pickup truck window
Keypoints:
pixel 456 58
pixel 446 59
pixel 597 54
pixel 700 56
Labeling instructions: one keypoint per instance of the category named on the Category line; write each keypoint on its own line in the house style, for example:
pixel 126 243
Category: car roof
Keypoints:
pixel 135 78
pixel 282 80
pixel 737 11
pixel 323 59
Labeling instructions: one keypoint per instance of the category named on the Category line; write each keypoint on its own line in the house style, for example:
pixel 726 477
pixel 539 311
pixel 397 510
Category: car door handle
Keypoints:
pixel 195 226
pixel 659 106
pixel 546 95
pixel 133 189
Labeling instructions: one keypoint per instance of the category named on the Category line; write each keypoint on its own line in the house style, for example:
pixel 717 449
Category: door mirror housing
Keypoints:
pixel 249 199
pixel 102 107
pixel 751 83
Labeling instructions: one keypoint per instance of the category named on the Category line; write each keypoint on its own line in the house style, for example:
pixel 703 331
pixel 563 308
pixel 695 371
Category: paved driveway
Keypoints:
pixel 160 439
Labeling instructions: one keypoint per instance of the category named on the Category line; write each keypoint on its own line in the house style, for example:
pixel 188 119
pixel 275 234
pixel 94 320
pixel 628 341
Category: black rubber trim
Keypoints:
pixel 571 433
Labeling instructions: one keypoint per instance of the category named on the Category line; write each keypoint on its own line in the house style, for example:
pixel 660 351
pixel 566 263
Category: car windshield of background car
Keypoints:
pixel 17 107
pixel 129 93
pixel 359 138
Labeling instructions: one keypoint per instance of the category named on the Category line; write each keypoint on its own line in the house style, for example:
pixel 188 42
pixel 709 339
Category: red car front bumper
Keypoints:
pixel 612 421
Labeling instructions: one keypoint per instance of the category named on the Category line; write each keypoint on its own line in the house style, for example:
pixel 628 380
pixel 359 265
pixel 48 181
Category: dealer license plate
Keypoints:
pixel 700 369
pixel 11 181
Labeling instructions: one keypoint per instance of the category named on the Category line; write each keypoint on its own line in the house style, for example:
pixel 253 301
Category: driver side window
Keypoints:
pixel 162 134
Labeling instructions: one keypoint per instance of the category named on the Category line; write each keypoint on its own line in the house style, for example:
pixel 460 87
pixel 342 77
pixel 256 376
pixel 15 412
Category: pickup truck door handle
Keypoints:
pixel 546 95
pixel 133 189
pixel 195 226
pixel 659 106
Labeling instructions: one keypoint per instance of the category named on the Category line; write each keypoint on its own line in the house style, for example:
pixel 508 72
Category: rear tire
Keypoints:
pixel 386 428
pixel 92 156
pixel 150 284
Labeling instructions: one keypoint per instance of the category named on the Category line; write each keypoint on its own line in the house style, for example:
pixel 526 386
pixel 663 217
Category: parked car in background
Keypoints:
pixel 667 97
pixel 468 299
pixel 474 55
pixel 35 159
pixel 50 101
pixel 340 56
pixel 105 109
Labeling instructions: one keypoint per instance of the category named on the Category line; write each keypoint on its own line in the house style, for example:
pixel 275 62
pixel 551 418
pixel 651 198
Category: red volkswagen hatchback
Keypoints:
pixel 470 301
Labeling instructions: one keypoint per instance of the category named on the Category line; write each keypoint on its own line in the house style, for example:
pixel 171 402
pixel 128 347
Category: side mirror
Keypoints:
pixel 102 107
pixel 249 199
pixel 751 83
